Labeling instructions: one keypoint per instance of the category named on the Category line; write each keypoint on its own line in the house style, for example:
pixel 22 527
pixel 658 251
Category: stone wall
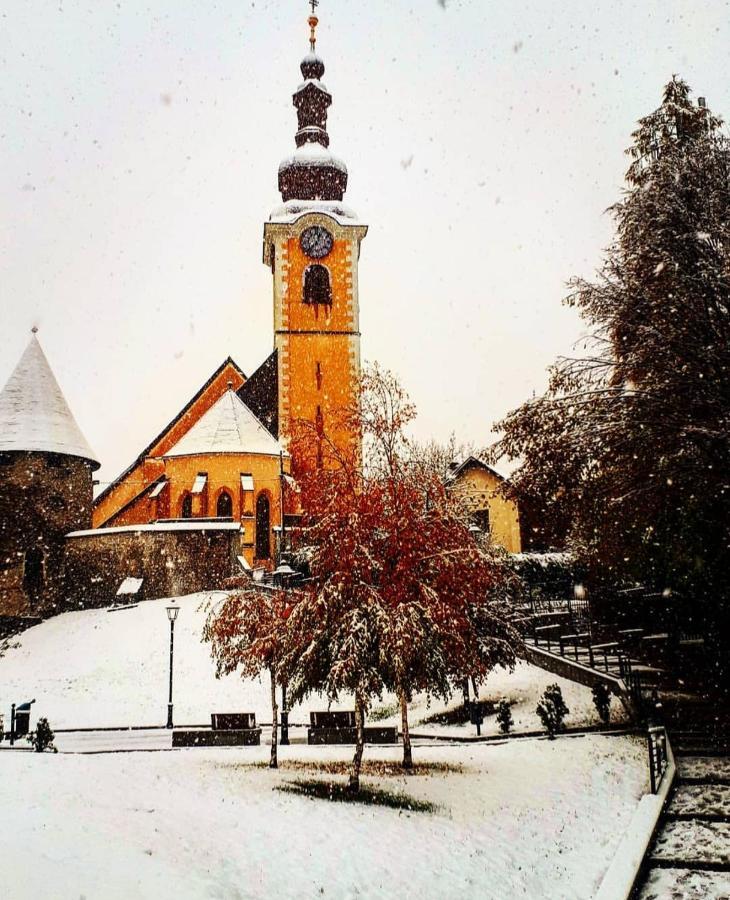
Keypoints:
pixel 172 561
pixel 43 496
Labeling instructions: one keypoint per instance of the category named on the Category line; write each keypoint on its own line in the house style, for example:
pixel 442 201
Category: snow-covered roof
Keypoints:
pixel 469 462
pixel 228 426
pixel 34 414
pixel 312 153
pixel 186 525
pixel 315 82
pixel 290 211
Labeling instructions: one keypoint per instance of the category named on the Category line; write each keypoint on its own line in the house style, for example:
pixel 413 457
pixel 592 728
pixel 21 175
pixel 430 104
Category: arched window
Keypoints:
pixel 263 523
pixel 224 506
pixel 186 507
pixel 317 287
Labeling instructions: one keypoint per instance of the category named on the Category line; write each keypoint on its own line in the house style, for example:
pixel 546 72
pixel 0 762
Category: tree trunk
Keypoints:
pixel 354 783
pixel 465 691
pixel 274 762
pixel 407 755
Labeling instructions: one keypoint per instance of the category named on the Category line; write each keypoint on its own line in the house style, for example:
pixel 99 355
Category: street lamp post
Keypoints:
pixel 172 612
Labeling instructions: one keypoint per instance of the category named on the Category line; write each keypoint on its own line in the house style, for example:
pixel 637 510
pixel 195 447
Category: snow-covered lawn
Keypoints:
pixel 100 668
pixel 533 819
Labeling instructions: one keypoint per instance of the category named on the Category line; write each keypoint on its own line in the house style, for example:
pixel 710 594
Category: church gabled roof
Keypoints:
pixel 261 393
pixel 228 426
pixel 34 415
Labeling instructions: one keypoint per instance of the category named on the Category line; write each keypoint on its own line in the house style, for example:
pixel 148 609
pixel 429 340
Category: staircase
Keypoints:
pixel 690 854
pixel 628 660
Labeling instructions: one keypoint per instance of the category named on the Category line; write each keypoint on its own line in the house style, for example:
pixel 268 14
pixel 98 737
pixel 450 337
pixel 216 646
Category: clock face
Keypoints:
pixel 316 242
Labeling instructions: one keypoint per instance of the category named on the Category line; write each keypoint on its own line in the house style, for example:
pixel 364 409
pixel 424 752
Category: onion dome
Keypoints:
pixel 312 172
pixel 312 66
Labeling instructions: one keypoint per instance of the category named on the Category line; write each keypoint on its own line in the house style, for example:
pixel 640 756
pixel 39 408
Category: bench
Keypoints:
pixel 611 646
pixel 338 727
pixel 226 730
pixel 546 630
pixel 631 635
pixel 574 639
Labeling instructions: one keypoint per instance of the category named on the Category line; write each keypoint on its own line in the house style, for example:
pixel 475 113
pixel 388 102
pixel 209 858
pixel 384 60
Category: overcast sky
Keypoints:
pixel 139 146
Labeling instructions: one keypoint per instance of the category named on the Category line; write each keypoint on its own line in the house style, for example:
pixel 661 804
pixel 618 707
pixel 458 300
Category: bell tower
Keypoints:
pixel 312 245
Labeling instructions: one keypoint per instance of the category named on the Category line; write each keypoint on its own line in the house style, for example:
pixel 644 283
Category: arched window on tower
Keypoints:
pixel 186 507
pixel 317 288
pixel 263 524
pixel 224 506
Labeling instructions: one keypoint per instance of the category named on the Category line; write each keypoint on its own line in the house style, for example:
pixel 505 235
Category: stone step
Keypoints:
pixel 690 841
pixel 685 882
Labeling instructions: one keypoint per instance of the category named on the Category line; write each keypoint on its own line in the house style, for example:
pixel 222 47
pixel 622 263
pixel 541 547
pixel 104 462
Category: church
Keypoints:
pixel 213 494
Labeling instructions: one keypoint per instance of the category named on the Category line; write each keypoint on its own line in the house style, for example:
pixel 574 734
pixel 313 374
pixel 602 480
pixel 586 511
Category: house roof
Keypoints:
pixel 228 426
pixel 34 414
pixel 469 463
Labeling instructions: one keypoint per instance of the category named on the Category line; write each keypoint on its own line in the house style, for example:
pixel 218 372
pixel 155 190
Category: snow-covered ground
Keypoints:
pixel 533 819
pixel 701 799
pixel 98 668
pixel 686 884
pixel 694 840
pixel 529 818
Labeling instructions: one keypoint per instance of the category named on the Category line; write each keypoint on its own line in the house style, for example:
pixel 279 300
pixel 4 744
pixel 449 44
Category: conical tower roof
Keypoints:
pixel 228 426
pixel 34 414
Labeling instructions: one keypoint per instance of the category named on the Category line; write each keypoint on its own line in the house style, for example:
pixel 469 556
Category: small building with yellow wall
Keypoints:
pixel 479 488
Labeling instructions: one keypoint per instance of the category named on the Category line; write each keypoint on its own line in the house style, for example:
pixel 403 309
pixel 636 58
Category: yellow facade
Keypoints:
pixel 478 487
pixel 110 507
pixel 318 344
pixel 246 478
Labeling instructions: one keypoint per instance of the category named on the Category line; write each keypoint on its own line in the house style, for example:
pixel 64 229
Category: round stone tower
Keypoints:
pixel 45 487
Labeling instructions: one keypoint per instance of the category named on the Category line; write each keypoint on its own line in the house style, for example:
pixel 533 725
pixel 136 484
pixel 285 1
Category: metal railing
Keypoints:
pixel 658 757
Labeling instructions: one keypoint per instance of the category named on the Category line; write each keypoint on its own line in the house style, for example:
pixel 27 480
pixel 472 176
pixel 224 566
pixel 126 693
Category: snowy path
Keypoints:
pixel 209 824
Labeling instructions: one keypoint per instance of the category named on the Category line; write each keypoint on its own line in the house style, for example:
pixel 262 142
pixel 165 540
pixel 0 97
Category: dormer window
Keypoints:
pixel 317 288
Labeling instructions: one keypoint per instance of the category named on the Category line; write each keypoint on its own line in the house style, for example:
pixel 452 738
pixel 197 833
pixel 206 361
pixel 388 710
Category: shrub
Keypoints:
pixel 553 692
pixel 42 737
pixel 602 701
pixel 504 716
pixel 552 710
pixel 548 716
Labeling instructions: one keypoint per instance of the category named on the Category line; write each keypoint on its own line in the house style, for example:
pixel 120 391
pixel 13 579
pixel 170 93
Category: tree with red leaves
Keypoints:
pixel 401 598
pixel 246 632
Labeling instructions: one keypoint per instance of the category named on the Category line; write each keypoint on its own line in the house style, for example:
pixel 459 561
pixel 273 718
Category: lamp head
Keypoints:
pixel 172 612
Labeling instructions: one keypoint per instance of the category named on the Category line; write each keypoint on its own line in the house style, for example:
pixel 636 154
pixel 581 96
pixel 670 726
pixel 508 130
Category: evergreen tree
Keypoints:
pixel 629 449
pixel 504 716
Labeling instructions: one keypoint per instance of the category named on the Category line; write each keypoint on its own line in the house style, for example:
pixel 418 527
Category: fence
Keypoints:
pixel 658 759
